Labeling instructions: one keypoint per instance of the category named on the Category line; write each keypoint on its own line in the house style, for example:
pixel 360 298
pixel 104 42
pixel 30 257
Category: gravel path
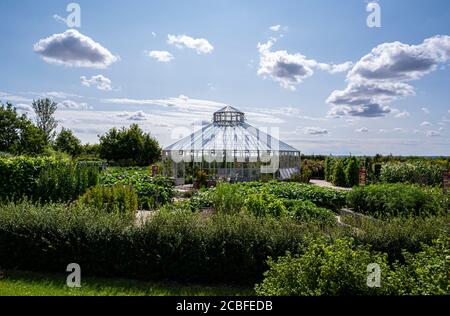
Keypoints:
pixel 325 184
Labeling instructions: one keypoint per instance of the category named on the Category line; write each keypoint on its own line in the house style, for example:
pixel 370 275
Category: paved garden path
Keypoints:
pixel 325 184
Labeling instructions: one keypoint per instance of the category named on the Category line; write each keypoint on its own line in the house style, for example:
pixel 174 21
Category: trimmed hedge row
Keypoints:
pixel 181 246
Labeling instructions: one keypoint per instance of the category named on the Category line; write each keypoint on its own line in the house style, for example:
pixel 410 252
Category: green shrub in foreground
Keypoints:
pixel 383 200
pixel 339 268
pixel 117 198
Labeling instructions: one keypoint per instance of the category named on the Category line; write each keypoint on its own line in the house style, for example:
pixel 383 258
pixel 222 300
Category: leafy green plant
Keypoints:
pixel 383 200
pixel 115 199
pixel 227 199
pixel 339 268
pixel 306 211
pixel 412 172
pixel 265 204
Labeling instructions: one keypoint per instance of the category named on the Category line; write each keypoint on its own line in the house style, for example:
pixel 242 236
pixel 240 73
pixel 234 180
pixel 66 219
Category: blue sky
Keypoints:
pixel 313 69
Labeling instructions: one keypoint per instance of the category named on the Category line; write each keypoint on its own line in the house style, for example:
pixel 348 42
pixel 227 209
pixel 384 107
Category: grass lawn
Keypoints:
pixel 18 283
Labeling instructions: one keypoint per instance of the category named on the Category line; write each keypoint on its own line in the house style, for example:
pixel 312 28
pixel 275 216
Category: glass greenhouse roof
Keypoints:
pixel 230 132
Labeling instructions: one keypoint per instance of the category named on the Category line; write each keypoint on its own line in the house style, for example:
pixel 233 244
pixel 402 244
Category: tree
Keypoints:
pixel 67 142
pixel 352 172
pixel 18 135
pixel 45 109
pixel 339 175
pixel 129 146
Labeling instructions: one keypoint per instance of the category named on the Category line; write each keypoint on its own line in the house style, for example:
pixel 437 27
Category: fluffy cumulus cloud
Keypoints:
pixel 362 130
pixel 72 48
pixel 99 81
pixel 315 131
pixel 425 110
pixel 200 45
pixel 160 55
pixel 72 105
pixel 288 69
pixel 380 77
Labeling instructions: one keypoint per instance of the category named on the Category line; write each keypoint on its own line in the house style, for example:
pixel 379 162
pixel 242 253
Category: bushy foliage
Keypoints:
pixel 18 135
pixel 67 142
pixel 152 191
pixel 339 268
pixel 412 172
pixel 426 272
pixel 396 234
pixel 264 204
pixel 180 246
pixel 45 179
pixel 227 199
pixel 114 199
pixel 306 211
pixel 383 200
pixel 129 147
pixel 342 172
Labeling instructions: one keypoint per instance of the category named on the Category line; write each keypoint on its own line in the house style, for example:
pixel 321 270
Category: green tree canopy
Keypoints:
pixel 18 135
pixel 45 109
pixel 67 142
pixel 129 146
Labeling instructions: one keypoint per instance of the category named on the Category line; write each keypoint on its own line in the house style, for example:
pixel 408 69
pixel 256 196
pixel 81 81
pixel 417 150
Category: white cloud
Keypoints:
pixel 399 130
pixel 7 97
pixel 160 55
pixel 69 104
pixel 181 102
pixel 138 116
pixel 379 77
pixel 315 131
pixel 275 28
pixel 290 70
pixel 425 123
pixel 433 133
pixel 400 114
pixel 425 110
pixel 24 108
pixel 72 48
pixel 98 81
pixel 362 130
pixel 200 45
pixel 153 34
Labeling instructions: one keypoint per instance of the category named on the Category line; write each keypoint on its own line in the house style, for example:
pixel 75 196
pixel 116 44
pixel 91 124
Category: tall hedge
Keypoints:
pixel 180 246
pixel 45 179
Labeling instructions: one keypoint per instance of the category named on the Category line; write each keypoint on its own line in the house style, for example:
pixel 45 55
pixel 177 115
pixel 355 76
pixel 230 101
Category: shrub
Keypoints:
pixel 152 192
pixel 383 200
pixel 339 268
pixel 265 204
pixel 426 272
pixel 339 178
pixel 396 234
pixel 412 172
pixel 352 172
pixel 45 179
pixel 179 246
pixel 118 198
pixel 227 199
pixel 306 211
